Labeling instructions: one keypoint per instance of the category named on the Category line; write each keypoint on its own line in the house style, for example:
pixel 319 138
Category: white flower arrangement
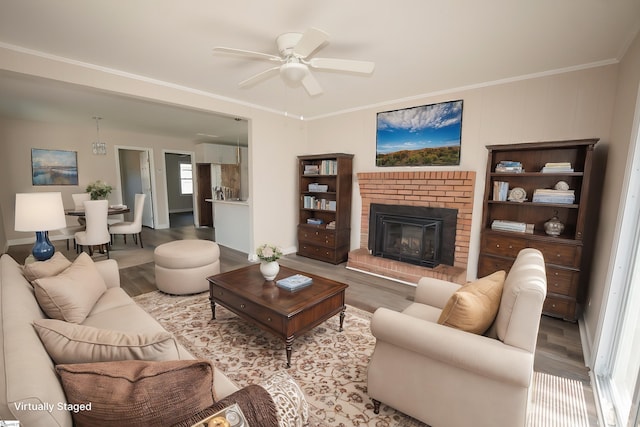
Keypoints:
pixel 268 252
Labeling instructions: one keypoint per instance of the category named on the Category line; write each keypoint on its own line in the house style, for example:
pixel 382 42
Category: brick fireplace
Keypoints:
pixel 452 190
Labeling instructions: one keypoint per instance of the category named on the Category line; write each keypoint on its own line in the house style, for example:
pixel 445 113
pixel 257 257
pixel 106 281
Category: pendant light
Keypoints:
pixel 99 148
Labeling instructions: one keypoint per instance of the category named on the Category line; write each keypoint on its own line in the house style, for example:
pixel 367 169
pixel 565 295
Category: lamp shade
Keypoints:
pixel 39 212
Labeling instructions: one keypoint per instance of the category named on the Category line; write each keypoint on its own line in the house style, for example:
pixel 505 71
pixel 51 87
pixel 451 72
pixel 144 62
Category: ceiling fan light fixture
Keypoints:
pixel 294 71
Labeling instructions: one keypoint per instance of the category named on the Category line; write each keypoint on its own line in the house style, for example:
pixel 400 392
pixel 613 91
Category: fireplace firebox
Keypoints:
pixel 413 234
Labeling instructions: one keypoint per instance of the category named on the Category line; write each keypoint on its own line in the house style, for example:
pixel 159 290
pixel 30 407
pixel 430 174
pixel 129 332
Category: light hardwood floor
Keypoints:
pixel 559 351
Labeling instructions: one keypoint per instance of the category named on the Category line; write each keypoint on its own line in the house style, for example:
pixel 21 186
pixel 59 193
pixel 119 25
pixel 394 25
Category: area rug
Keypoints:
pixel 330 366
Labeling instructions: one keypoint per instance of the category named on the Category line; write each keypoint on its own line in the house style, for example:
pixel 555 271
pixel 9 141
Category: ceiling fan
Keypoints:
pixel 295 61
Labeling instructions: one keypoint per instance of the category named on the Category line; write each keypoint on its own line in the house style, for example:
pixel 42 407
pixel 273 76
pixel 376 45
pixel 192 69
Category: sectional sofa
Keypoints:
pixel 31 390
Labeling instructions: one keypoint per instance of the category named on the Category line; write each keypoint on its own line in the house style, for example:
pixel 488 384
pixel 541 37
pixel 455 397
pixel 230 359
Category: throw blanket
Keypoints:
pixel 254 401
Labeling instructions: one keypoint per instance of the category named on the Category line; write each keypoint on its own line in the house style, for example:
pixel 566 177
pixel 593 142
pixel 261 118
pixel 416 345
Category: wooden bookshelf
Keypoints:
pixel 324 219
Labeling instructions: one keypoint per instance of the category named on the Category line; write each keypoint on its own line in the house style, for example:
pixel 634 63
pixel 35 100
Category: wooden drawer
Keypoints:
pixel 246 308
pixel 317 237
pixel 559 254
pixel 317 252
pixel 560 307
pixel 488 264
pixel 562 281
pixel 504 246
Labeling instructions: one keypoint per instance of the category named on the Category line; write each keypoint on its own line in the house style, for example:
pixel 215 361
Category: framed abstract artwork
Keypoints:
pixel 54 167
pixel 429 135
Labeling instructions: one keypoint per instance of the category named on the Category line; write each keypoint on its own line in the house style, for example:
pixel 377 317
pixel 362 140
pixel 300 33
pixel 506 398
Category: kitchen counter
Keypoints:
pixel 231 223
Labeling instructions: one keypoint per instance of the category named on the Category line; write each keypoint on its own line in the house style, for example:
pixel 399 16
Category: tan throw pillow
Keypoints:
pixel 137 393
pixel 51 267
pixel 71 295
pixel 474 306
pixel 71 343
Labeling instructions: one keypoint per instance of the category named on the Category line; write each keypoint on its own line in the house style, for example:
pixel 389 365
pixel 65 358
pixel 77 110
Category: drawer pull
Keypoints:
pixel 555 274
pixel 497 245
pixel 220 293
pixel 553 305
pixel 317 233
pixel 242 306
pixel 556 285
pixel 268 319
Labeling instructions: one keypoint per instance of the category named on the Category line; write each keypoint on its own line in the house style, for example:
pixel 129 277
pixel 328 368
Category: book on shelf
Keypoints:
pixel 500 191
pixel 516 226
pixel 331 225
pixel 295 282
pixel 314 221
pixel 509 166
pixel 319 188
pixel 557 167
pixel 563 197
pixel 311 169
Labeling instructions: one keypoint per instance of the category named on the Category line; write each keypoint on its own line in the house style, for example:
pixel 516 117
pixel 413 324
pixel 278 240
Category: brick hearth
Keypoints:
pixel 452 190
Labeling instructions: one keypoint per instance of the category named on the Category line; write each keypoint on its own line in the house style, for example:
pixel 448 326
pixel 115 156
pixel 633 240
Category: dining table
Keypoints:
pixel 113 210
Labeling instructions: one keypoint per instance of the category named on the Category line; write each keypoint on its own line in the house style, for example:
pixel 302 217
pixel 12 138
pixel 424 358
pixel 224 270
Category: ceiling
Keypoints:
pixel 420 47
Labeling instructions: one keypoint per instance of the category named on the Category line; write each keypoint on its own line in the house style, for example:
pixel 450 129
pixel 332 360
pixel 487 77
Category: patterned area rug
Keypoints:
pixel 330 366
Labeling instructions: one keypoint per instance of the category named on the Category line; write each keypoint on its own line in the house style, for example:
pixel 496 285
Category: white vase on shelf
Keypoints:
pixel 269 269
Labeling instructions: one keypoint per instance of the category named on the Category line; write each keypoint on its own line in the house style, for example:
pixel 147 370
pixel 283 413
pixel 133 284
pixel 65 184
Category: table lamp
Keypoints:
pixel 40 212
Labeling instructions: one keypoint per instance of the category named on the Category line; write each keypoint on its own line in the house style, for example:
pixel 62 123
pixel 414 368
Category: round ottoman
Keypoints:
pixel 182 266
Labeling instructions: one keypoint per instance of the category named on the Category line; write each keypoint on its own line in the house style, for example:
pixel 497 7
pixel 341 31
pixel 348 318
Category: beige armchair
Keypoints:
pixel 448 377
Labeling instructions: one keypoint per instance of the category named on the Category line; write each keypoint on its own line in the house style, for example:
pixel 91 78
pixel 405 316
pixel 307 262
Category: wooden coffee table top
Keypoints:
pixel 248 283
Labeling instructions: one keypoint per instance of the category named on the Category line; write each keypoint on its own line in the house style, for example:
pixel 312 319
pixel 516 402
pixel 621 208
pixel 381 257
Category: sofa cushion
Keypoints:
pixel 51 267
pixel 70 343
pixel 474 306
pixel 70 295
pixel 137 393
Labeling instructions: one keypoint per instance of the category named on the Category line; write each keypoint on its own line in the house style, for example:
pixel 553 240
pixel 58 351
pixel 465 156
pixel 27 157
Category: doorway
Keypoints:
pixel 179 173
pixel 134 173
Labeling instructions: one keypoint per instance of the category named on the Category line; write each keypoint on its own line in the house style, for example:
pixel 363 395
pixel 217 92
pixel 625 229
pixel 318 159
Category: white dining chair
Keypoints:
pixel 131 227
pixel 97 232
pixel 78 204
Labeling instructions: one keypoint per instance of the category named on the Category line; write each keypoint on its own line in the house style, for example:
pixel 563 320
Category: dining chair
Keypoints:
pixel 97 232
pixel 131 227
pixel 78 204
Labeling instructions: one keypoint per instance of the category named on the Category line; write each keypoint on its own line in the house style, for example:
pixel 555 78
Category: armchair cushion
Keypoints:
pixel 70 343
pixel 137 393
pixel 474 306
pixel 71 295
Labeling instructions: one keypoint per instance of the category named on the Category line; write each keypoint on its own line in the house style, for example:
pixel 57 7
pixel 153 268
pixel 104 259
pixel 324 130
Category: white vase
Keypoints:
pixel 269 269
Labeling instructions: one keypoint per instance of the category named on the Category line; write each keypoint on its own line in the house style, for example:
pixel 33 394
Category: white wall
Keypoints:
pixel 564 106
pixel 621 137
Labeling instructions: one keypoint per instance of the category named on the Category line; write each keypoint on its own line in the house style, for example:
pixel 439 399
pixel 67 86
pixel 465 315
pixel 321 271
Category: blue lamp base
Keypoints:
pixel 43 249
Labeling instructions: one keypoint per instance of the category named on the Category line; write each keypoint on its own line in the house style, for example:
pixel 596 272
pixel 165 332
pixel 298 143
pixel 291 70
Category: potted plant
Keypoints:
pixel 99 190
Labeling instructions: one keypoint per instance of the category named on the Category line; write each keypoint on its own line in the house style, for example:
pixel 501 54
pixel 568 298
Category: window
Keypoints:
pixel 186 179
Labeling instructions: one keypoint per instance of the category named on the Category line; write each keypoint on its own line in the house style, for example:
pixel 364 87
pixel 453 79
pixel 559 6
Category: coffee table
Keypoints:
pixel 283 313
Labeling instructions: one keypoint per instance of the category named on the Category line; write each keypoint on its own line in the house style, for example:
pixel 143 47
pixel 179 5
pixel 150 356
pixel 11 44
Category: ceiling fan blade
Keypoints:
pixel 247 53
pixel 311 85
pixel 259 77
pixel 311 40
pixel 365 67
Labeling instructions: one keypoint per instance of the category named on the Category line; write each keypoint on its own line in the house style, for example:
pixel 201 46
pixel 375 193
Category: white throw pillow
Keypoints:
pixel 71 295
pixel 71 343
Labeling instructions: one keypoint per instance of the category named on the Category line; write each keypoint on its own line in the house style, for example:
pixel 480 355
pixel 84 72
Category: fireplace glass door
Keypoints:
pixel 412 240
